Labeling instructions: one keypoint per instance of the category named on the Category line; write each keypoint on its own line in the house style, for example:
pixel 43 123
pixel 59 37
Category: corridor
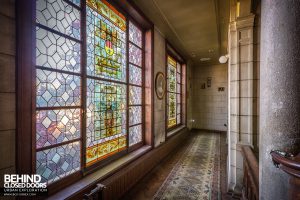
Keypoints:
pixel 150 99
pixel 195 170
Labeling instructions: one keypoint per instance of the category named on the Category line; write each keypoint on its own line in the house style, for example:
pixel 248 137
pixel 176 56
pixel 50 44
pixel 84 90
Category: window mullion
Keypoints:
pixel 127 84
pixel 83 83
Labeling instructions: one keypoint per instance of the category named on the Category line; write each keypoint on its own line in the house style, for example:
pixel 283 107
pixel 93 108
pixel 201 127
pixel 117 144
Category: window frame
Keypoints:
pixel 26 88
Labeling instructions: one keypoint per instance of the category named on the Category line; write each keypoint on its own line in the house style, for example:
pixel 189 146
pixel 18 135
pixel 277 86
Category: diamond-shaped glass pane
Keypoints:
pixel 55 163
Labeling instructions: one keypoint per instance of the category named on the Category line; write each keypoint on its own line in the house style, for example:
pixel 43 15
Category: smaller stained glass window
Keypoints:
pixel 174 92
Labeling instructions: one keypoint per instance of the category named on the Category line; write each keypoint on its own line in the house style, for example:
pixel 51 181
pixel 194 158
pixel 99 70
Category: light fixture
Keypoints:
pixel 224 59
pixel 204 59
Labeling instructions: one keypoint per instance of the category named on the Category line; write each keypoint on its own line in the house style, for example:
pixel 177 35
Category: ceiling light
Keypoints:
pixel 224 59
pixel 204 59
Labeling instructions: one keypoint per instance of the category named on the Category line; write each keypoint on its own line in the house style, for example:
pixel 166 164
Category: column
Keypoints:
pixel 279 92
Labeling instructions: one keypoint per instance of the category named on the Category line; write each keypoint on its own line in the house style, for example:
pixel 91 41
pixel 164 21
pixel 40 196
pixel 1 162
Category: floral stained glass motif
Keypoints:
pixel 106 37
pixel 172 83
pixel 106 99
pixel 57 126
pixel 106 119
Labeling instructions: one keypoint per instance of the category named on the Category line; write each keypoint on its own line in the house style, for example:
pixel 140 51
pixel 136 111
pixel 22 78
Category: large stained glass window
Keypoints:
pixel 89 91
pixel 174 92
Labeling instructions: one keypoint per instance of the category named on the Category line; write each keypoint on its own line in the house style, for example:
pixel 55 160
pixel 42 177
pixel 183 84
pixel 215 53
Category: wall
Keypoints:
pixel 159 104
pixel 7 88
pixel 243 96
pixel 209 104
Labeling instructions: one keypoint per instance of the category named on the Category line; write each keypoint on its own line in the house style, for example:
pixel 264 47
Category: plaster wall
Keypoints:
pixel 209 105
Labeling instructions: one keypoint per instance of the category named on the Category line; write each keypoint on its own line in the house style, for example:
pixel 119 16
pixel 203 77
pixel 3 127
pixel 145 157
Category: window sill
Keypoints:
pixel 100 174
pixel 174 131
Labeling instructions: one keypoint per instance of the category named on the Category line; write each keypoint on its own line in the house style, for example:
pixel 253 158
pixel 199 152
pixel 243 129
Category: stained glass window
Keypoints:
pixel 58 90
pixel 106 75
pixel 174 88
pixel 135 84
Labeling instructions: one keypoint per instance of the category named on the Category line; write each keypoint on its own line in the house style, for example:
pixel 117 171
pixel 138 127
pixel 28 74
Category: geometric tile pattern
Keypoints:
pixel 135 135
pixel 135 55
pixel 56 126
pixel 135 34
pixel 135 95
pixel 54 51
pixel 59 51
pixel 135 115
pixel 57 89
pixel 58 162
pixel 193 175
pixel 60 16
pixel 135 75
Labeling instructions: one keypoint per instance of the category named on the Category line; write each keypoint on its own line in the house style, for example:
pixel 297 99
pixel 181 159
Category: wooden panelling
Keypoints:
pixel 251 177
pixel 120 182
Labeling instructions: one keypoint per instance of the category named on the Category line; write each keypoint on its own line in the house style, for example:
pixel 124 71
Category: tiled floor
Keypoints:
pixel 149 185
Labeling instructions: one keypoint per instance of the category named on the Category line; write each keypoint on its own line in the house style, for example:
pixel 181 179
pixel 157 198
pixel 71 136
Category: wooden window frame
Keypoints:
pixel 26 89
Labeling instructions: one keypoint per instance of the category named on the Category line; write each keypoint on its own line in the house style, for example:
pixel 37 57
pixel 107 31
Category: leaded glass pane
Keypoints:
pixel 56 126
pixel 57 89
pixel 178 78
pixel 171 109
pixel 106 37
pixel 178 98
pixel 135 135
pixel 178 67
pixel 106 119
pixel 135 75
pixel 135 34
pixel 173 88
pixel 135 55
pixel 178 88
pixel 171 76
pixel 135 95
pixel 76 2
pixel 58 162
pixel 54 51
pixel 178 108
pixel 178 119
pixel 60 16
pixel 135 115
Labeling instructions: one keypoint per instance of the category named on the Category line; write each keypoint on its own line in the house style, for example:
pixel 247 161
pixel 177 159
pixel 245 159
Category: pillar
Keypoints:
pixel 279 92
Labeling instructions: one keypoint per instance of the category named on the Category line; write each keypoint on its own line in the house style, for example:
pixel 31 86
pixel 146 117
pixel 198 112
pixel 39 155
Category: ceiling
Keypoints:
pixel 196 28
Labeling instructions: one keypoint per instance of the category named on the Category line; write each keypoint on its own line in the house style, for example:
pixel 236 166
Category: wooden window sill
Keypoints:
pixel 100 174
pixel 174 131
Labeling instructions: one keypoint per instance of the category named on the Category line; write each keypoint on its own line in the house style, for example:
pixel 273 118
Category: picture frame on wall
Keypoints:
pixel 160 85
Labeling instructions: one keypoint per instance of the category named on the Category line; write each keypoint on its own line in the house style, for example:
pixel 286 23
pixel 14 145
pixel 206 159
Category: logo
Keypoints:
pixel 23 185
